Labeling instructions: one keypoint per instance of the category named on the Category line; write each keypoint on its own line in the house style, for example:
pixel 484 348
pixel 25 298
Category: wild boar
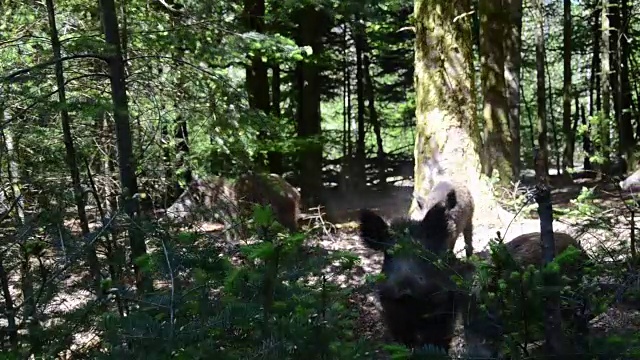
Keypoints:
pixel 273 190
pixel 417 294
pixel 219 199
pixel 458 201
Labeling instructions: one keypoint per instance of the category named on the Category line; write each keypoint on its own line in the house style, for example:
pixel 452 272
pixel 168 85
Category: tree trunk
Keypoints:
pixel 345 167
pixel 567 155
pixel 554 337
pixel 594 88
pixel 368 88
pixel 586 140
pixel 11 328
pixel 182 170
pixel 184 174
pixel 312 24
pixel 126 160
pixel 627 142
pixel 542 163
pixel 606 87
pixel 258 80
pixel 446 101
pixel 551 117
pixel 512 63
pixel 492 51
pixel 373 116
pixel 614 61
pixel 276 158
pixel 72 163
pixel 361 157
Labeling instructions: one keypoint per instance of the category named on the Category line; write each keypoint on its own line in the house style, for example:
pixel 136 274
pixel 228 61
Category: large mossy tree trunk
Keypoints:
pixel 446 101
pixel 494 19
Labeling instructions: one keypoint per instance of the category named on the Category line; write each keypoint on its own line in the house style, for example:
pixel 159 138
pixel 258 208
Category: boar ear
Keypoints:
pixel 437 215
pixel 374 231
pixel 435 222
pixel 452 200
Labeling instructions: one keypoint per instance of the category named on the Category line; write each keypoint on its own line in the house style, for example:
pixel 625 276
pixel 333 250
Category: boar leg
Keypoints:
pixel 467 232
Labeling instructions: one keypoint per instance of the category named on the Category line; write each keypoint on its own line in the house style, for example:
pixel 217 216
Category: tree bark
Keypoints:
pixel 555 339
pixel 512 64
pixel 313 24
pixel 360 160
pixel 258 81
pixel 542 162
pixel 605 69
pixel 594 90
pixel 614 62
pixel 446 101
pixel 492 51
pixel 276 158
pixel 373 117
pixel 627 142
pixel 128 180
pixel 567 155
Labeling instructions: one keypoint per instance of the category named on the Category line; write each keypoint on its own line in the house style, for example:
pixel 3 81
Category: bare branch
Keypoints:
pixel 17 73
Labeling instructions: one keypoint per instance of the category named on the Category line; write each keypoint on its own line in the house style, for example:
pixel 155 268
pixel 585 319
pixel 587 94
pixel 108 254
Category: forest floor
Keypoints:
pixel 341 234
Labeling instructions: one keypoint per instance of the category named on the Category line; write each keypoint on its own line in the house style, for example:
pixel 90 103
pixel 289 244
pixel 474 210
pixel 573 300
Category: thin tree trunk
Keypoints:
pixel 26 278
pixel 512 73
pixel 124 139
pixel 182 152
pixel 276 158
pixel 371 107
pixel 614 75
pixel 72 163
pixel 554 337
pixel 9 310
pixel 552 118
pixel 606 87
pixel 345 167
pixel 361 157
pixel 594 89
pixel 567 156
pixel 542 165
pixel 627 142
pixel 586 140
pixel 14 171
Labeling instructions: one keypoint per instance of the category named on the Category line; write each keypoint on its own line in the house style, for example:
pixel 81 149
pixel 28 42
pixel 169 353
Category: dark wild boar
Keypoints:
pixel 417 294
pixel 419 297
pixel 618 167
pixel 526 249
pixel 484 330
